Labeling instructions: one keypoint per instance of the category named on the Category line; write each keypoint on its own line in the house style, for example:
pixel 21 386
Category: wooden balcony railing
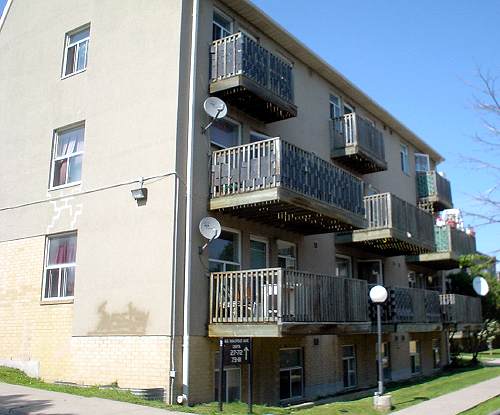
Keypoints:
pixel 461 309
pixel 275 182
pixel 253 79
pixel 394 227
pixel 434 189
pixel 280 296
pixel 357 143
pixel 410 305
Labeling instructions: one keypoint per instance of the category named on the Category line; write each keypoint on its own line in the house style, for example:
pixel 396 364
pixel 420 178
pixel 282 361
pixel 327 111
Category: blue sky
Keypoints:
pixel 418 60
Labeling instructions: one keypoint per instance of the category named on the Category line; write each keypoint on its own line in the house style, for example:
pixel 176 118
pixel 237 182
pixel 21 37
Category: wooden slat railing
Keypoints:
pixel 458 308
pixel 277 295
pixel 276 163
pixel 352 129
pixel 385 210
pixel 431 184
pixel 450 239
pixel 239 54
pixel 410 305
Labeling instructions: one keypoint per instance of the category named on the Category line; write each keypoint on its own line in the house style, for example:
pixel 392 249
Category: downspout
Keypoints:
pixel 189 203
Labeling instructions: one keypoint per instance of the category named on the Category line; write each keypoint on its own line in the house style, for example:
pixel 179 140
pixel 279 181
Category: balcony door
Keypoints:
pixel 259 253
pixel 371 271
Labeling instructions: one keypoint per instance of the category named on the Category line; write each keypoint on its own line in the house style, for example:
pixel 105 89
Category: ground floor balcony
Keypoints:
pixel 274 302
pixel 451 244
pixel 276 183
pixel 410 309
pixel 395 227
pixel 461 310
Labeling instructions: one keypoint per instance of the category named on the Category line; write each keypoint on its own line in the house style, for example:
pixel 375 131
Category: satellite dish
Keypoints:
pixel 215 107
pixel 480 286
pixel 210 228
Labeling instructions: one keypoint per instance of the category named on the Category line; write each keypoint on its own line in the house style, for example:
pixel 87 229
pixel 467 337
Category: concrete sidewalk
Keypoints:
pixel 20 400
pixel 455 402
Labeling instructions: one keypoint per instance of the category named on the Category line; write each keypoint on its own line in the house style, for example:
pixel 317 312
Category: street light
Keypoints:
pixel 378 295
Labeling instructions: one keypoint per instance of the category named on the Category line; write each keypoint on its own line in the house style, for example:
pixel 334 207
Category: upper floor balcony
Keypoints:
pixel 252 79
pixel 451 243
pixel 279 184
pixel 461 309
pixel 395 227
pixel 357 143
pixel 274 301
pixel 433 191
pixel 410 306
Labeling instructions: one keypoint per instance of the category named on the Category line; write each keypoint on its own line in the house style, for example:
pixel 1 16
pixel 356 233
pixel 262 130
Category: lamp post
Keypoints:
pixel 378 295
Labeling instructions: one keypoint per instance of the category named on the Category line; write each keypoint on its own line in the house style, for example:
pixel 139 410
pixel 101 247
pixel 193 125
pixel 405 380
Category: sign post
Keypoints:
pixel 221 370
pixel 250 379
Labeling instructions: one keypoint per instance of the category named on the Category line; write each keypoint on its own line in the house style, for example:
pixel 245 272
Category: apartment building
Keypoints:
pixel 319 190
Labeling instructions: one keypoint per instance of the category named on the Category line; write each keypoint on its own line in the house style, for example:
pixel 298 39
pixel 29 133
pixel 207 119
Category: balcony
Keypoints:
pixel 356 143
pixel 451 243
pixel 433 191
pixel 461 309
pixel 395 227
pixel 276 183
pixel 251 78
pixel 410 306
pixel 274 302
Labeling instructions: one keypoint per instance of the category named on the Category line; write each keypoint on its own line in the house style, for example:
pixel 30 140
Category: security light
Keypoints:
pixel 140 194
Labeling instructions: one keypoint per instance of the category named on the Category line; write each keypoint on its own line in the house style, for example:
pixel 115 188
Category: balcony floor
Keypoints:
pixel 436 260
pixel 355 158
pixel 387 242
pixel 284 208
pixel 251 98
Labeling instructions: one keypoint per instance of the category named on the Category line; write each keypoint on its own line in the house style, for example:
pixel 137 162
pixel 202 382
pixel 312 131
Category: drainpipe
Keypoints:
pixel 189 204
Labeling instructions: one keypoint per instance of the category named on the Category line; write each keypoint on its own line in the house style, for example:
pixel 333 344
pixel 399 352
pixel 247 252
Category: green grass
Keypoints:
pixel 485 408
pixel 403 395
pixel 495 354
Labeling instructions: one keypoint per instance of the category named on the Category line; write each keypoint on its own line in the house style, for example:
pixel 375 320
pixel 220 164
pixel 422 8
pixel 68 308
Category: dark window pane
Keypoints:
pixel 224 133
pixel 258 254
pixel 296 381
pixel 82 34
pixel 290 358
pixel 225 248
pixel 52 283
pixel 345 370
pixel 60 169
pixel 285 384
pixel 70 60
pixel 69 282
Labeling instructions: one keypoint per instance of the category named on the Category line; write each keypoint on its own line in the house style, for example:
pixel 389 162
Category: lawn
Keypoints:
pixel 404 395
pixel 495 354
pixel 485 408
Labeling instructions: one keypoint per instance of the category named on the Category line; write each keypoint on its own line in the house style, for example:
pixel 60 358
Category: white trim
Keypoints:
pixel 68 45
pixel 5 13
pixel 404 149
pixel 262 240
pixel 338 105
pixel 225 16
pixel 426 156
pixel 348 106
pixel 219 261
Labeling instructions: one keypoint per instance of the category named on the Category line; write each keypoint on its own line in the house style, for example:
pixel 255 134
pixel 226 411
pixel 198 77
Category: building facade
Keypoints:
pixel 320 192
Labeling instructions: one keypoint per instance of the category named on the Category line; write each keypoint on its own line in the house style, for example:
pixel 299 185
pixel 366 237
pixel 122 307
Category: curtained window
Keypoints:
pixel 68 155
pixel 60 264
pixel 76 50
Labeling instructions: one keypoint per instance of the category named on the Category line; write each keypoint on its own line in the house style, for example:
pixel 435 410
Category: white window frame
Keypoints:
pixel 47 267
pixel 289 369
pixel 68 45
pixel 379 265
pixel 349 259
pixel 261 136
pixel 404 157
pixel 226 369
pixel 355 370
pixel 238 264
pixel 230 121
pixel 55 142
pixel 225 16
pixel 423 155
pixel 349 106
pixel 262 240
pixel 286 257
pixel 417 353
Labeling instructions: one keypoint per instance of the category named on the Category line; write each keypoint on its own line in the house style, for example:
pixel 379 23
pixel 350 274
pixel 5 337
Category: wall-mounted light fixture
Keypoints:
pixel 140 194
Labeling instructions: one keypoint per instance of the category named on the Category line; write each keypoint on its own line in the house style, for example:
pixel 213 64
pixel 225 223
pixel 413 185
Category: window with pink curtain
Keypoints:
pixel 68 155
pixel 60 266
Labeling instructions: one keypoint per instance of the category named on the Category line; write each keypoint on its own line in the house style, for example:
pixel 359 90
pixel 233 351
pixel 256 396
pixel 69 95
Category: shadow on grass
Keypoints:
pixel 20 405
pixel 420 399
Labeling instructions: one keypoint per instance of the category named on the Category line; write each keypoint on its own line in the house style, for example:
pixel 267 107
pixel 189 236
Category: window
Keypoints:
pixel 254 137
pixel 222 26
pixel 403 153
pixel 60 264
pixel 75 51
pixel 422 162
pixel 335 107
pixel 225 133
pixel 224 252
pixel 412 279
pixel 343 266
pixel 67 156
pixel 415 357
pixel 258 253
pixel 291 373
pixel 348 109
pixel 287 255
pixel 436 353
pixel 349 366
pixel 231 382
pixel 371 271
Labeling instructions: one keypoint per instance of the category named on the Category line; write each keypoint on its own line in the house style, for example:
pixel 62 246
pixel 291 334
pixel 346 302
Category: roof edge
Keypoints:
pixel 5 13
